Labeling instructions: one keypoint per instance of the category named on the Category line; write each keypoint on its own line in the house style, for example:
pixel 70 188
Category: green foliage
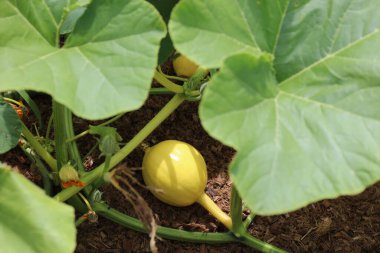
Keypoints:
pixel 30 221
pixel 306 125
pixel 111 53
pixel 109 139
pixel 71 19
pixel 295 89
pixel 210 31
pixel 10 127
pixel 165 8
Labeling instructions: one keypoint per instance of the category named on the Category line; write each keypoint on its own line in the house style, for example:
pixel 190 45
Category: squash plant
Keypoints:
pixel 292 85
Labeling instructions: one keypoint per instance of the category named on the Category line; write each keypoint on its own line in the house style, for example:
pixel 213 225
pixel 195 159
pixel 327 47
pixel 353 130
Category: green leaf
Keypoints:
pixel 41 17
pixel 292 150
pixel 316 134
pixel 207 32
pixel 340 29
pixel 30 221
pixel 105 67
pixel 71 19
pixel 56 8
pixel 165 8
pixel 33 106
pixel 109 139
pixel 10 128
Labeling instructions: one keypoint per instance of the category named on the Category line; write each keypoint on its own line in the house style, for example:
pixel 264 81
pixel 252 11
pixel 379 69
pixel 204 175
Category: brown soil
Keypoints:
pixel 347 224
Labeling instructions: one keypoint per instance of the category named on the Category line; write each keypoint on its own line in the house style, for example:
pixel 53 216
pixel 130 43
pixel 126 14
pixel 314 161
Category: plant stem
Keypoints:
pixel 76 137
pixel 48 128
pixel 89 177
pixel 85 201
pixel 249 220
pixel 39 149
pixel 171 77
pixel 161 79
pixel 180 235
pixel 41 169
pixel 78 204
pixel 100 181
pixel 107 166
pixel 91 150
pixel 214 209
pixel 88 130
pixel 160 91
pixel 13 101
pixel 236 211
pixel 164 232
pixel 32 105
pixel 255 243
pixel 72 146
pixel 80 220
pixel 62 156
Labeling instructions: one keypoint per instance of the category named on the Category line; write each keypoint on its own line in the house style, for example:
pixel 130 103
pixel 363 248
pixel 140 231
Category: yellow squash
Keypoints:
pixel 176 173
pixel 184 67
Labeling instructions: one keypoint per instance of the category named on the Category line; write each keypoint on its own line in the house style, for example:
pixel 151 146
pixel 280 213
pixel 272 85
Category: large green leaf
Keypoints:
pixel 71 19
pixel 336 27
pixel 30 221
pixel 210 31
pixel 165 9
pixel 105 67
pixel 315 134
pixel 10 128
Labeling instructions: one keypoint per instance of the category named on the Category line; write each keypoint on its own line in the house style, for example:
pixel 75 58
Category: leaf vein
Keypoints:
pixel 329 56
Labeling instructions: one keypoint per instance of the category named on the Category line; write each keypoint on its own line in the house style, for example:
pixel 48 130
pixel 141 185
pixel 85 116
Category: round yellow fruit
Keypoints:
pixel 184 67
pixel 175 172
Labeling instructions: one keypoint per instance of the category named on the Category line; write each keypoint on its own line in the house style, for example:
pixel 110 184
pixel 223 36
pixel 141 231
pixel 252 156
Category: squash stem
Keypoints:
pixel 171 77
pixel 236 211
pixel 73 138
pixel 80 220
pixel 39 149
pixel 161 79
pixel 91 176
pixel 164 232
pixel 214 209
pixel 255 243
pixel 249 220
pixel 72 147
pixel 160 91
pixel 47 184
pixel 180 235
pixel 61 152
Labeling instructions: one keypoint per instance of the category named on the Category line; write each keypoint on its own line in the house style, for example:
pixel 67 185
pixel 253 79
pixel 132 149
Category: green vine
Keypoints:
pixel 89 177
